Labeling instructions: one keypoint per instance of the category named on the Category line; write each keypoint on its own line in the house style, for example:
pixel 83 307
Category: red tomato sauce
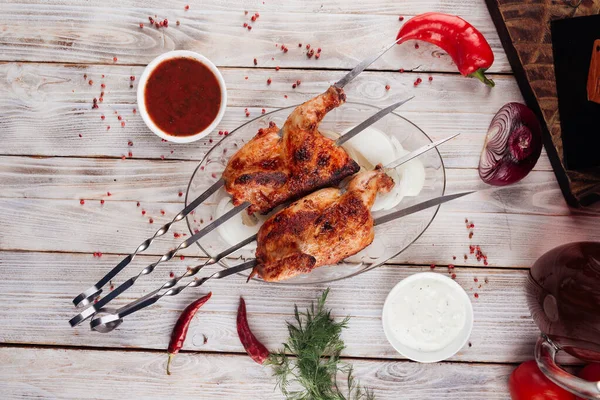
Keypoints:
pixel 182 96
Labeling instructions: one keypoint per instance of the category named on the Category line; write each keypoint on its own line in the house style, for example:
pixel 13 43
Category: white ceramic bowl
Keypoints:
pixel 142 103
pixel 450 348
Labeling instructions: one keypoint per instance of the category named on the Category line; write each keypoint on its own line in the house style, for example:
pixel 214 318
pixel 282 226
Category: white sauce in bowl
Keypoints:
pixel 427 317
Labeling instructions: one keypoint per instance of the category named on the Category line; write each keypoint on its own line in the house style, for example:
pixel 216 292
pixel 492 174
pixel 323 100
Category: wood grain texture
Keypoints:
pixel 509 240
pixel 41 32
pixel 386 7
pixel 503 329
pixel 160 181
pixel 46 107
pixel 80 374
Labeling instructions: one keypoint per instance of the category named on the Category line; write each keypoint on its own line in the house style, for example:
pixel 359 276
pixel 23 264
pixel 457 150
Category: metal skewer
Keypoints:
pixel 193 271
pixel 87 296
pixel 107 323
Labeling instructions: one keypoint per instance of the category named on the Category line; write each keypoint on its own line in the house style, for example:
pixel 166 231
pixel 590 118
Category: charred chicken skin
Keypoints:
pixel 322 228
pixel 270 170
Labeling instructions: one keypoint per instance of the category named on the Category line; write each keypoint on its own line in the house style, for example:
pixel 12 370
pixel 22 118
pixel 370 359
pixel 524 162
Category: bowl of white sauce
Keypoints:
pixel 427 317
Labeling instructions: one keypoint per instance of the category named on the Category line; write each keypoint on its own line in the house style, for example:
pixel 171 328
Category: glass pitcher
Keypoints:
pixel 563 294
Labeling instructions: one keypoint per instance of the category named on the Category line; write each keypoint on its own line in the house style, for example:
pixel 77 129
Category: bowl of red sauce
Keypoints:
pixel 181 96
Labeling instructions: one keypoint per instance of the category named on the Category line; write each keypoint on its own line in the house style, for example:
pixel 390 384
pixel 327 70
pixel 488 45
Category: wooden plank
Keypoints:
pixel 68 226
pixel 159 181
pixel 503 329
pixel 42 32
pixel 46 107
pixel 386 7
pixel 79 374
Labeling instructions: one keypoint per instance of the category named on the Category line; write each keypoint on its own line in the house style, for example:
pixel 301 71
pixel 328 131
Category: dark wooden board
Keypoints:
pixel 524 29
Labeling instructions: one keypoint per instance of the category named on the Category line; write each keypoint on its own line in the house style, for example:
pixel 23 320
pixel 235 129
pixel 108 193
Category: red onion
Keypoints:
pixel 512 146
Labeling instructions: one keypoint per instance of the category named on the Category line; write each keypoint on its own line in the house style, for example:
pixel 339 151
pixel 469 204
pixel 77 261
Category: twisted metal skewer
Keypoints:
pixel 107 323
pixel 92 309
pixel 87 296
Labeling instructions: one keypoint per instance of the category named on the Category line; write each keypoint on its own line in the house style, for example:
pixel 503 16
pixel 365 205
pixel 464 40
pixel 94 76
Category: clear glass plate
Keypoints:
pixel 390 239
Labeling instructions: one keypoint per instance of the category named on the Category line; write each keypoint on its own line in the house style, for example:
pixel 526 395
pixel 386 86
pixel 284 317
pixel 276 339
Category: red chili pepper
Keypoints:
pixel 181 328
pixel 255 349
pixel 466 45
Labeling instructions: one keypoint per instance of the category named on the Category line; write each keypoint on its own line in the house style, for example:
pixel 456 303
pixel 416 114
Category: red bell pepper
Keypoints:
pixel 466 45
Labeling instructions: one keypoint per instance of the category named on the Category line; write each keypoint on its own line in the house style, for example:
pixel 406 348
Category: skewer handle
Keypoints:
pixel 109 322
pixel 91 310
pixel 87 296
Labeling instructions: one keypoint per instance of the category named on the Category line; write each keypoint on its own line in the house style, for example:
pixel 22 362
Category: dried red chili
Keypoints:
pixel 255 349
pixel 181 328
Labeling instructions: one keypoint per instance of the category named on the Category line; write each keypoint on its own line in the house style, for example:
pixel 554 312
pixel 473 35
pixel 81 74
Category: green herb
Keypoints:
pixel 315 340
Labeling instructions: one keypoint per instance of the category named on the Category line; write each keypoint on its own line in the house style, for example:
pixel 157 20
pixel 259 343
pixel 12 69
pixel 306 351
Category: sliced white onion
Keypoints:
pixel 240 226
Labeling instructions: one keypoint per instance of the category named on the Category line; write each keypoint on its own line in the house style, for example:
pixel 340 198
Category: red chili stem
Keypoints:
pixel 181 328
pixel 255 349
pixel 468 48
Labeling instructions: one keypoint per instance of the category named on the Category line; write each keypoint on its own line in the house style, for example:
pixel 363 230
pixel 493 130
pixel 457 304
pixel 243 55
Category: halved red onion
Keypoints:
pixel 512 145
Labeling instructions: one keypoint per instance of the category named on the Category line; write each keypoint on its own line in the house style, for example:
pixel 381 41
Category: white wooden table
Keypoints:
pixel 55 150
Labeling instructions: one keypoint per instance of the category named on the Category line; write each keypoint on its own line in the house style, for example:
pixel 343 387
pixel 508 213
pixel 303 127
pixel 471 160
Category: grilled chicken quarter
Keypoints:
pixel 322 228
pixel 270 170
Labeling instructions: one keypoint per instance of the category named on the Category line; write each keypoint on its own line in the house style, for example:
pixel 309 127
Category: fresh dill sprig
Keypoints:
pixel 315 340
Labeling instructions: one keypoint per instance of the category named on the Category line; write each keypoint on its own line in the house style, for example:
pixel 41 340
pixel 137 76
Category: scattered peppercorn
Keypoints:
pixel 400 18
pixel 141 25
pixel 416 45
pixel 269 81
pixel 387 87
pixel 82 201
pixel 255 62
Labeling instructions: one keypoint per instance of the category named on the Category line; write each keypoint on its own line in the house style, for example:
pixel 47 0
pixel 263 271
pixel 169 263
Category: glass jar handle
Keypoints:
pixel 545 355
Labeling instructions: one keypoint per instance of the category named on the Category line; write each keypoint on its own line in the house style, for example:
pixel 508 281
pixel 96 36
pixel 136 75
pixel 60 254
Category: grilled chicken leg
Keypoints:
pixel 270 170
pixel 322 228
